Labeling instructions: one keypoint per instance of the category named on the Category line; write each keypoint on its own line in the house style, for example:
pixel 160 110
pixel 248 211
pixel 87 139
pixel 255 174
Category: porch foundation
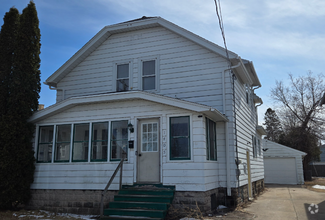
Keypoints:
pixel 87 202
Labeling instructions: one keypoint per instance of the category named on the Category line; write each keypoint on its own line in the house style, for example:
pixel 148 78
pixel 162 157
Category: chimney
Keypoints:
pixel 40 107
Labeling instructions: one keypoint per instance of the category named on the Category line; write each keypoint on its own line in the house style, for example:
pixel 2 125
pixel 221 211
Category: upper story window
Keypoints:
pixel 149 75
pixel 122 79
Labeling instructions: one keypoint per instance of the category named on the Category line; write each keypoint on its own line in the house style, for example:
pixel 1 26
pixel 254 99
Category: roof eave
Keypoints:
pixel 122 96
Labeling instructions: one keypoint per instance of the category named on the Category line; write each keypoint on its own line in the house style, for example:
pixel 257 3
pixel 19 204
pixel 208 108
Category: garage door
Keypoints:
pixel 280 170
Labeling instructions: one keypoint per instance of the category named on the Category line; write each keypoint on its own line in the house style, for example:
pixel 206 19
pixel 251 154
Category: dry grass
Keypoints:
pixel 34 214
pixel 178 213
pixel 316 181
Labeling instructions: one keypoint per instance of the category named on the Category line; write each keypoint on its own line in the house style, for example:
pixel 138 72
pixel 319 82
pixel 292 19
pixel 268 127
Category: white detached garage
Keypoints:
pixel 282 165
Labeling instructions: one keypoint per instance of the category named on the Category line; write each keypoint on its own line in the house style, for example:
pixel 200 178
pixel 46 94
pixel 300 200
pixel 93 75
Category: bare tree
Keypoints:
pixel 300 113
pixel 300 101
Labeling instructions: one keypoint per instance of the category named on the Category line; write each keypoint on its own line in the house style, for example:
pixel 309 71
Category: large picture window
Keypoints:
pixel 122 82
pixel 99 141
pixel 80 142
pixel 211 140
pixel 62 143
pixel 180 138
pixel 149 75
pixel 119 139
pixel 45 144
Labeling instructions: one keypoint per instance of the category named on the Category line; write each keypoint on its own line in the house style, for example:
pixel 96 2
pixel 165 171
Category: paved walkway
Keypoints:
pixel 288 202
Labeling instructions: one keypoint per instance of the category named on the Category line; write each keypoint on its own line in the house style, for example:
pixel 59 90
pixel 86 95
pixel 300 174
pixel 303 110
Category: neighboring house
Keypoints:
pixel 318 168
pixel 175 90
pixel 322 155
pixel 282 164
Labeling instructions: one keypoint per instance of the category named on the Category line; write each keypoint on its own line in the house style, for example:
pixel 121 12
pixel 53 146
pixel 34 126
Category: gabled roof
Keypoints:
pixel 272 145
pixel 123 96
pixel 138 24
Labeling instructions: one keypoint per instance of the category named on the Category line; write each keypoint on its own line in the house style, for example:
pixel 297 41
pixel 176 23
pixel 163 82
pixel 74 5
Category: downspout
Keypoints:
pixel 227 128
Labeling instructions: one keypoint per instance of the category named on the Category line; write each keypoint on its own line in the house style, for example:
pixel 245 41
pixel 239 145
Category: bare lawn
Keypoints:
pixel 316 181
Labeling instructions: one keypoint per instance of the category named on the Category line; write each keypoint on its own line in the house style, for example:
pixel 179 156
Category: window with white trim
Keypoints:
pixel 180 138
pixel 122 77
pixel 149 75
pixel 211 139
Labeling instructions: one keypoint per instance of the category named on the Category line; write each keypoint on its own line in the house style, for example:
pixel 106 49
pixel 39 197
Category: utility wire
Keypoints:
pixel 233 77
pixel 219 14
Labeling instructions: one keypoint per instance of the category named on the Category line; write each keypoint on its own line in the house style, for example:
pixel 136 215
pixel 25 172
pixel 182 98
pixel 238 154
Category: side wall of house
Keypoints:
pixel 246 122
pixel 185 69
pixel 196 174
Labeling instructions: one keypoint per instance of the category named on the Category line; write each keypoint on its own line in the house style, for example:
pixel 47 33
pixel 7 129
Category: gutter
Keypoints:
pixel 55 88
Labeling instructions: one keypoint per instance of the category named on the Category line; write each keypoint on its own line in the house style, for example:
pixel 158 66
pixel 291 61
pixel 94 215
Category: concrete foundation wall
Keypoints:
pixel 87 202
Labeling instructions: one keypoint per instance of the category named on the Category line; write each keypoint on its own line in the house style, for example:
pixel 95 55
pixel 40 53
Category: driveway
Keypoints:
pixel 288 202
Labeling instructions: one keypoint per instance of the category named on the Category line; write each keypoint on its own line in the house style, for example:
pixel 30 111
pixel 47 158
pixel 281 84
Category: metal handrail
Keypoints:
pixel 120 166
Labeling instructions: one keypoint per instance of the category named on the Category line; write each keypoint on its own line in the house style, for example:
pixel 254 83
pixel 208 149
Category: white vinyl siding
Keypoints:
pixel 184 69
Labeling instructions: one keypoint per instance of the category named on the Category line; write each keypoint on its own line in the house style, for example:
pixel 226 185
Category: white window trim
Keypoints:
pixel 115 73
pixel 157 74
pixel 191 139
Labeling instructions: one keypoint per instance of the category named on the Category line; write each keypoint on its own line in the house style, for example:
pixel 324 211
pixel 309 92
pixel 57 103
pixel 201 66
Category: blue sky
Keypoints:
pixel 279 36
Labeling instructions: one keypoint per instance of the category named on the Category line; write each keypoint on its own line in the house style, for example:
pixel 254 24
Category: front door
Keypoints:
pixel 148 151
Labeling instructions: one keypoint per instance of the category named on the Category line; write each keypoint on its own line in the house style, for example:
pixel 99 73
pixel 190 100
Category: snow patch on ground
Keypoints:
pixel 318 187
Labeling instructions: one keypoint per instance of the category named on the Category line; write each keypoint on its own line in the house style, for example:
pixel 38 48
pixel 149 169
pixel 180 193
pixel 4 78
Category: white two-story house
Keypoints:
pixel 184 115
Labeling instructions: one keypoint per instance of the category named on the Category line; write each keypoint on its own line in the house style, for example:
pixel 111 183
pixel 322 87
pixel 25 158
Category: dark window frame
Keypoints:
pixel 97 141
pixel 208 140
pixel 49 143
pixel 85 141
pixel 171 137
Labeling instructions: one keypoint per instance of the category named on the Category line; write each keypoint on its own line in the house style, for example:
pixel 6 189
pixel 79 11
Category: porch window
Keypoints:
pixel 122 82
pixel 149 75
pixel 80 143
pixel 180 138
pixel 211 140
pixel 62 143
pixel 119 139
pixel 99 141
pixel 45 144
